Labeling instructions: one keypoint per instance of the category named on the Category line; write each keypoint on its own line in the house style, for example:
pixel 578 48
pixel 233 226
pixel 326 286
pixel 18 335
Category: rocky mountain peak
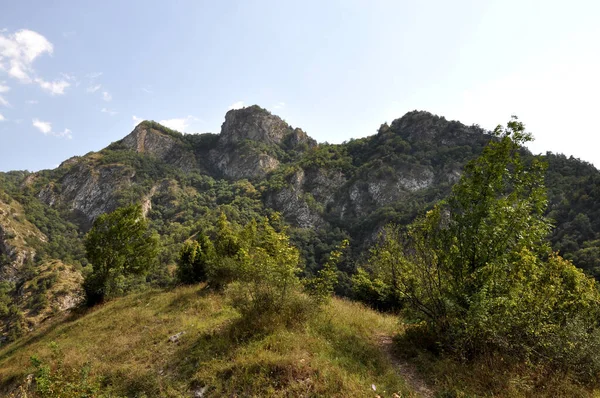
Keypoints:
pixel 253 123
pixel 425 127
pixel 161 142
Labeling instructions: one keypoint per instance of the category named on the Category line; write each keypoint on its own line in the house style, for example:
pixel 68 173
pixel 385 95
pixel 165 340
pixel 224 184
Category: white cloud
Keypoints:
pixel 4 89
pixel 106 96
pixel 56 87
pixel 46 129
pixel 237 105
pixel 94 88
pixel 147 89
pixel 19 50
pixel 71 78
pixel 2 118
pixel 109 111
pixel 137 120
pixel 93 75
pixel 179 124
pixel 279 105
pixel 32 102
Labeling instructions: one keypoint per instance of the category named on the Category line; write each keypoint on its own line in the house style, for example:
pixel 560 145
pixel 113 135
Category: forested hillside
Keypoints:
pixel 258 165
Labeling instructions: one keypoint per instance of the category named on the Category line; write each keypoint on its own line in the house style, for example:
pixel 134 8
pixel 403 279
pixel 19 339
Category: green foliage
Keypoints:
pixel 574 194
pixel 370 288
pixel 327 156
pixel 159 127
pixel 195 259
pixel 6 288
pixel 54 380
pixel 256 263
pixel 268 268
pixel 64 240
pixel 322 286
pixel 477 269
pixel 119 244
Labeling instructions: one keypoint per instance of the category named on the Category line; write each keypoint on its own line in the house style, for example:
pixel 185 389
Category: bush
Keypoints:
pixel 321 287
pixel 195 259
pixel 268 269
pixel 259 267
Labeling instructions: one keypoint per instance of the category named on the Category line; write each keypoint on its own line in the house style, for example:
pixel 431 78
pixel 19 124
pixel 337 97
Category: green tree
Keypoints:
pixel 322 286
pixel 268 266
pixel 477 267
pixel 119 244
pixel 195 259
pixel 225 267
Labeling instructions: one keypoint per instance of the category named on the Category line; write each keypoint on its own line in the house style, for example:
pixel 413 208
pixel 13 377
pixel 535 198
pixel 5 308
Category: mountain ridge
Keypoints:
pixel 259 164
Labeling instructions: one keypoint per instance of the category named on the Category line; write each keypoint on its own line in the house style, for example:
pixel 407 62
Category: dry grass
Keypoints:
pixel 126 344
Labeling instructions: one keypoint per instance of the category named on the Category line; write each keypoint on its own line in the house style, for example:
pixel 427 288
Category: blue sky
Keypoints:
pixel 77 75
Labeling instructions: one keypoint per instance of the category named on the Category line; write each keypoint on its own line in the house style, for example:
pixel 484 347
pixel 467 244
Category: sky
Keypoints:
pixel 78 75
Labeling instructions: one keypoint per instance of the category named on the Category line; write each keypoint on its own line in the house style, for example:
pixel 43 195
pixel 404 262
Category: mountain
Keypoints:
pixel 258 164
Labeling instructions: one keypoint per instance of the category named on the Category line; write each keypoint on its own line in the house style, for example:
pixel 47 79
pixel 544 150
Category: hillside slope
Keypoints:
pixel 256 165
pixel 128 347
pixel 186 342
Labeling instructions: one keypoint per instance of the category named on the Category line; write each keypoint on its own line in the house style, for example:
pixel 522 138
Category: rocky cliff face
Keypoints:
pixel 16 236
pixel 89 190
pixel 19 239
pixel 249 141
pixel 252 144
pixel 151 141
pixel 253 123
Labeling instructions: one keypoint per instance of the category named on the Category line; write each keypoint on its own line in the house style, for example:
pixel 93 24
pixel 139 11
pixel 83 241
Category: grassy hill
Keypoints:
pixel 125 345
pixel 186 342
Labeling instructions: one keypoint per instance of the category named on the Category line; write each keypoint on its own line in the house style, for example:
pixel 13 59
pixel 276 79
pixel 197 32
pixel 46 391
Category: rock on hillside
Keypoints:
pixel 89 190
pixel 16 236
pixel 251 140
pixel 148 138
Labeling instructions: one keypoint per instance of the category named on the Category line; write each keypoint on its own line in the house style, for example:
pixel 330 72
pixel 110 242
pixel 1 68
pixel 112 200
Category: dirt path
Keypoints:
pixel 406 370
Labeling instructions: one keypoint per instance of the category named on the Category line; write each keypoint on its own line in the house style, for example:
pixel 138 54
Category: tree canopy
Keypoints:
pixel 119 244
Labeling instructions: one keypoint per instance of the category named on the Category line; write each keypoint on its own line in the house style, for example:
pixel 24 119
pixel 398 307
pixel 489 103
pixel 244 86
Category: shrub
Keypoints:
pixel 321 287
pixel 195 259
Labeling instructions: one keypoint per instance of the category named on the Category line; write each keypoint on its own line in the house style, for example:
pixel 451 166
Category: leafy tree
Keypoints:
pixel 266 284
pixel 322 286
pixel 478 270
pixel 227 246
pixel 268 265
pixel 195 259
pixel 119 244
